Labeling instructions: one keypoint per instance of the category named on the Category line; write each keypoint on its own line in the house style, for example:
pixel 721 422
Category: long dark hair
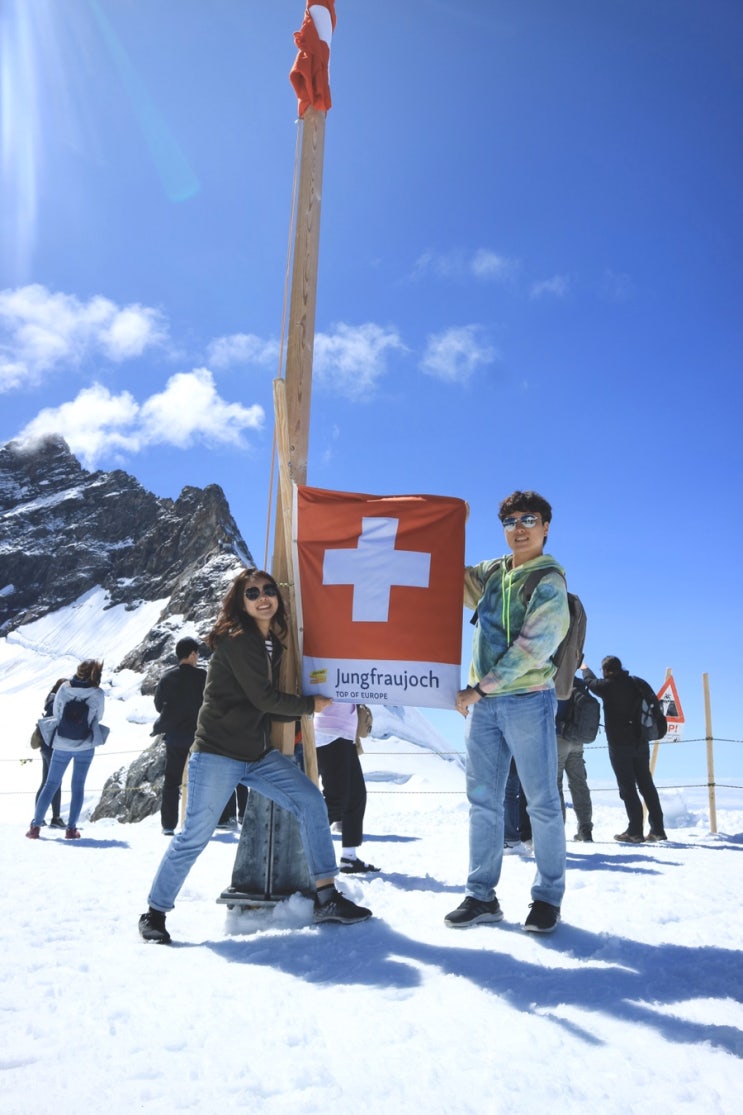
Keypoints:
pixel 233 620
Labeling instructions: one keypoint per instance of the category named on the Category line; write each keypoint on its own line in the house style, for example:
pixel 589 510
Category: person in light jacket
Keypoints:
pixel 85 685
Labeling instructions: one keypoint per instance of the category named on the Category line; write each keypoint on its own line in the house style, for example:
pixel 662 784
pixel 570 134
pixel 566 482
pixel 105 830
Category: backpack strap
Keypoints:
pixel 527 589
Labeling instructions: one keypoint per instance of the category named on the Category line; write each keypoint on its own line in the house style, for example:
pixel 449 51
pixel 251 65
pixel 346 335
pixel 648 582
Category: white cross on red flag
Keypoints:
pixel 379 582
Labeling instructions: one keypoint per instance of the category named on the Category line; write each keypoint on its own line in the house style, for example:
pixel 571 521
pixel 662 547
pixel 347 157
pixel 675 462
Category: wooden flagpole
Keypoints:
pixel 293 447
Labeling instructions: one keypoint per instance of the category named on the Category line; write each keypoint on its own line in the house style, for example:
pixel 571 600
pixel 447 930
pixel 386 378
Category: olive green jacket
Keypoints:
pixel 241 699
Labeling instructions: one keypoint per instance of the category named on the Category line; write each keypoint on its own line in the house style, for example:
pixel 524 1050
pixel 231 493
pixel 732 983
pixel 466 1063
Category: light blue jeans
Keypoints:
pixel 521 726
pixel 58 764
pixel 211 780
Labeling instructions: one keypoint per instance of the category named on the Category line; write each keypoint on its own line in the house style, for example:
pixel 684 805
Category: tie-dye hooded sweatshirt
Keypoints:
pixel 514 642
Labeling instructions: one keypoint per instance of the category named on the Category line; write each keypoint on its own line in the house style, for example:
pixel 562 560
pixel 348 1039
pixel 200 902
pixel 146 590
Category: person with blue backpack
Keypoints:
pixel 523 616
pixel 77 712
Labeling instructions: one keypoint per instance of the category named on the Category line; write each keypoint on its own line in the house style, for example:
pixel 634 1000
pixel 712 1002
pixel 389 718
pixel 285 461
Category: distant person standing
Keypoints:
pixel 629 753
pixel 178 698
pixel 57 821
pixel 343 785
pixel 570 761
pixel 78 708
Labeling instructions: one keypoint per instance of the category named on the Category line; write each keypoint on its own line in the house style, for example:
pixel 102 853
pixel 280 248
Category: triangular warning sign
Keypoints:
pixel 669 699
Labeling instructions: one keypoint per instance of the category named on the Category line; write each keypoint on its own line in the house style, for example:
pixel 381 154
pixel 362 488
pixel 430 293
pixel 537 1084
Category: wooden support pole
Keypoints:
pixel 299 353
pixel 295 641
pixel 710 755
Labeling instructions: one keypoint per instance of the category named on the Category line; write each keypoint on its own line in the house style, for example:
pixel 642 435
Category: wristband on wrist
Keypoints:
pixel 477 689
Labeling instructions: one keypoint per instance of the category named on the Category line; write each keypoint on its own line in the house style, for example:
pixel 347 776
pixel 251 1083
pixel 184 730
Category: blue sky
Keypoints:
pixel 529 276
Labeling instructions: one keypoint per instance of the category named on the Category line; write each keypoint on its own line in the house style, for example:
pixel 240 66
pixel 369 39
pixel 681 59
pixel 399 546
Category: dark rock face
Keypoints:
pixel 64 530
pixel 134 792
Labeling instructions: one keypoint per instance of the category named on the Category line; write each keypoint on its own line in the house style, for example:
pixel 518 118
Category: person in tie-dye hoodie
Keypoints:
pixel 512 699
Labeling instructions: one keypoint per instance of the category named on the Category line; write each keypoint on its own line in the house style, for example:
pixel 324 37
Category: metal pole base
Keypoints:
pixel 270 863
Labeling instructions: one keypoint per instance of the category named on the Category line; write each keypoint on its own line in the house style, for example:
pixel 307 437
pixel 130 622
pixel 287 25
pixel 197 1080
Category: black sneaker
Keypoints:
pixel 356 866
pixel 338 908
pixel 585 835
pixel 542 918
pixel 474 912
pixel 57 823
pixel 152 927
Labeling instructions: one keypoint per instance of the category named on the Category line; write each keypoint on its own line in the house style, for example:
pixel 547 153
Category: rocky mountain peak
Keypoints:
pixel 64 530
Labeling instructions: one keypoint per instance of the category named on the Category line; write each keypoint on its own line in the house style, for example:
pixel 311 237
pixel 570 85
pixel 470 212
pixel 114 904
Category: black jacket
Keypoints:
pixel 241 698
pixel 178 698
pixel 621 697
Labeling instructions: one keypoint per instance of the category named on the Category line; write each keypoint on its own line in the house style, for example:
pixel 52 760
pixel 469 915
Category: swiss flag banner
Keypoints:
pixel 379 583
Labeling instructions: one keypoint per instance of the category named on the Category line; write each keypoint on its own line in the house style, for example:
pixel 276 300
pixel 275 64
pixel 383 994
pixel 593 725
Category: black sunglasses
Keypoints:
pixel 255 593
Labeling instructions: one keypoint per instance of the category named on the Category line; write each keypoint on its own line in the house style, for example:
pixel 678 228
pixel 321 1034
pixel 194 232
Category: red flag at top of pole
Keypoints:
pixel 309 74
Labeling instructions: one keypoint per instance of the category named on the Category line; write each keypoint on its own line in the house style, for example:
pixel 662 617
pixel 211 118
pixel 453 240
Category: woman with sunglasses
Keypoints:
pixel 233 745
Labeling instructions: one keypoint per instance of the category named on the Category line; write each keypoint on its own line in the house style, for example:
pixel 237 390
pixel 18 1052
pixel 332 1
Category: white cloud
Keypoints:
pixel 189 411
pixel 454 355
pixel 353 358
pixel 558 286
pixel 482 264
pixel 243 348
pixel 485 264
pixel 41 330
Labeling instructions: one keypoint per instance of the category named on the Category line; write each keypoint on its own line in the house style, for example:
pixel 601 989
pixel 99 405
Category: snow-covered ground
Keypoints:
pixel 636 1002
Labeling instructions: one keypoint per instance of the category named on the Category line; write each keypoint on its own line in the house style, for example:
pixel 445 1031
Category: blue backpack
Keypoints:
pixel 74 723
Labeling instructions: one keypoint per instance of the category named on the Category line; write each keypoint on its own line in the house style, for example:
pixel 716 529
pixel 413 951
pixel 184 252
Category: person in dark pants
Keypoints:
pixel 343 785
pixel 234 811
pixel 629 753
pixel 178 698
pixel 57 821
pixel 570 761
pixel 516 822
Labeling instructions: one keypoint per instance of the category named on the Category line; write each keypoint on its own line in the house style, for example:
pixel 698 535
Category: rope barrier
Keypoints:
pixel 429 793
pixel 420 753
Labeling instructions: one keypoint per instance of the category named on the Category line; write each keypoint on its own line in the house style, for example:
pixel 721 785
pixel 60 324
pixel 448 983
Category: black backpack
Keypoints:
pixel 582 718
pixel 74 723
pixel 649 718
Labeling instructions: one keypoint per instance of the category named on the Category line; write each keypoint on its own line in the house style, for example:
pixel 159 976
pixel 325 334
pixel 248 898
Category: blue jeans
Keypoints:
pixel 211 780
pixel 46 758
pixel 521 726
pixel 58 764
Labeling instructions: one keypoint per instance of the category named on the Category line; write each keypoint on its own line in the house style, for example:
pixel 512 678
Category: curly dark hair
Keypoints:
pixel 525 501
pixel 233 620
